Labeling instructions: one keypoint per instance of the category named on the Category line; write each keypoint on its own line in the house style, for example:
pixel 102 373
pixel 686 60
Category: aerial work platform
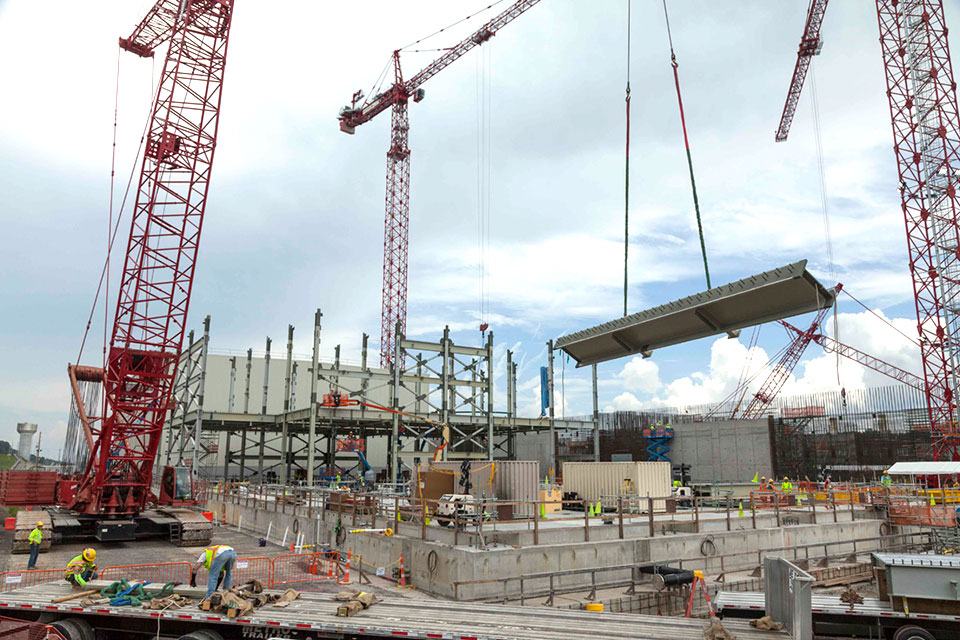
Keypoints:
pixel 772 295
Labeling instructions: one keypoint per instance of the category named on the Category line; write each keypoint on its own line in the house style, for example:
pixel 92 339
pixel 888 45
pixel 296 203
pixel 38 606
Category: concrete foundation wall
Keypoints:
pixel 434 564
pixel 725 451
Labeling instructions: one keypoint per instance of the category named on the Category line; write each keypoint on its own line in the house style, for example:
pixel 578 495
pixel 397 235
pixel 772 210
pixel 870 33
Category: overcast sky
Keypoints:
pixel 295 213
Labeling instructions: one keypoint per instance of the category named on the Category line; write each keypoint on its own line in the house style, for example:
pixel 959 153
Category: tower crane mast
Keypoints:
pixel 397 218
pixel 158 267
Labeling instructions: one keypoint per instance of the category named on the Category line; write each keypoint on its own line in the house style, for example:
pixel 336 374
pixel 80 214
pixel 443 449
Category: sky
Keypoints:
pixel 523 137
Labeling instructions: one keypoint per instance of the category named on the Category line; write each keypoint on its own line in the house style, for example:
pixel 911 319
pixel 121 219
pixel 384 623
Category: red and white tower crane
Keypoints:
pixel 922 96
pixel 397 218
pixel 161 253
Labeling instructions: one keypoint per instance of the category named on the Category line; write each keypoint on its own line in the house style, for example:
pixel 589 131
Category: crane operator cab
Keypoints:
pixel 176 487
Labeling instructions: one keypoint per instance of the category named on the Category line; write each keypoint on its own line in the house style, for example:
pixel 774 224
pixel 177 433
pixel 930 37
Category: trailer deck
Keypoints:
pixel 313 615
pixel 832 616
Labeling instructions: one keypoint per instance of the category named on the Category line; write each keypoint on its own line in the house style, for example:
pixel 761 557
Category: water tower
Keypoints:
pixel 26 431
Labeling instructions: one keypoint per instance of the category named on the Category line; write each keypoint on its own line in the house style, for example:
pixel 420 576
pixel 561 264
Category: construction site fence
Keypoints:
pixel 16 629
pixel 271 572
pixel 550 584
pixel 160 573
pixel 659 515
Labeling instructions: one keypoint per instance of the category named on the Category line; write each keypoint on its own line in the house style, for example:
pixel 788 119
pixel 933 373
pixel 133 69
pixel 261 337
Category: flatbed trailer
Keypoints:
pixel 874 618
pixel 313 616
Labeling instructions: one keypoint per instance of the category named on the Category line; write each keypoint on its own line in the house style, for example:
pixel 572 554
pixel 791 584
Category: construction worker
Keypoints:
pixel 786 486
pixel 82 568
pixel 885 480
pixel 218 560
pixel 35 538
pixel 677 484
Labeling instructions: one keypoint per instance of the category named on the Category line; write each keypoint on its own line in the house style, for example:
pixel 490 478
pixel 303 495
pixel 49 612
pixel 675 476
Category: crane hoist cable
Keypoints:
pixel 105 271
pixel 686 142
pixel 626 186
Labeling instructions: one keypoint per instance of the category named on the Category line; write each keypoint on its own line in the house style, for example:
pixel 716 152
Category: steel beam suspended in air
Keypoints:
pixel 810 45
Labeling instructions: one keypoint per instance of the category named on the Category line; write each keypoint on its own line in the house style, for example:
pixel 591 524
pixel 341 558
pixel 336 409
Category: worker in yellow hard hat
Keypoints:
pixel 35 538
pixel 885 480
pixel 82 568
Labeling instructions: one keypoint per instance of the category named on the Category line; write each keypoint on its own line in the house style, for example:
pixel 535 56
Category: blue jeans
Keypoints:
pixel 223 562
pixel 34 552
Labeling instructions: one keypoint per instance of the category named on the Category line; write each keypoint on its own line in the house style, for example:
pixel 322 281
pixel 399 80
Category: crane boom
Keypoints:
pixel 865 359
pixel 158 269
pixel 393 315
pixel 926 140
pixel 810 45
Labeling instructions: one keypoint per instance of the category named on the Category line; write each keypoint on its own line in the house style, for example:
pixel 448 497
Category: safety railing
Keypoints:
pixel 160 573
pixel 16 629
pixel 13 580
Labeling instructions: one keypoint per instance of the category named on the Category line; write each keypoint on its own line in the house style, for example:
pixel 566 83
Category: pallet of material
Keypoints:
pixel 396 615
pixel 25 523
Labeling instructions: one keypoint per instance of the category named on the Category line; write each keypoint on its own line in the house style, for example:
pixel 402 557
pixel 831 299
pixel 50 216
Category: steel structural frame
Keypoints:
pixel 458 390
pixel 186 412
pixel 397 209
pixel 926 133
pixel 157 278
pixel 810 45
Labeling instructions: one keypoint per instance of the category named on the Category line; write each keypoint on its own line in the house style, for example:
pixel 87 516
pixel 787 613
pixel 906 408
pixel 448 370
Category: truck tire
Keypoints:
pixel 912 632
pixel 74 629
pixel 201 634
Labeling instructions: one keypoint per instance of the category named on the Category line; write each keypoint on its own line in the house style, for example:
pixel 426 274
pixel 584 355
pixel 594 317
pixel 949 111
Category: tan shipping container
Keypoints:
pixel 593 480
pixel 512 480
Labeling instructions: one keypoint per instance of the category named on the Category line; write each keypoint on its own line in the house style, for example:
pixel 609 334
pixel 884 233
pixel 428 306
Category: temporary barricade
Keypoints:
pixel 16 629
pixel 12 580
pixel 161 573
pixel 303 567
pixel 246 569
pixel 939 515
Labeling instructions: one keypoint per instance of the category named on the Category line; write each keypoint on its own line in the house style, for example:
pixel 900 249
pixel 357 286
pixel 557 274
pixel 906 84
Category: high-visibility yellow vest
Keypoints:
pixel 36 536
pixel 211 553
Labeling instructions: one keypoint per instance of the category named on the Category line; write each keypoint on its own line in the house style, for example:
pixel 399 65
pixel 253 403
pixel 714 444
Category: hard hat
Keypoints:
pixel 89 554
pixel 39 523
pixel 786 478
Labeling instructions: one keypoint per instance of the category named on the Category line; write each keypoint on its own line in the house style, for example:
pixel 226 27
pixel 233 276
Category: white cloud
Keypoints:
pixel 640 374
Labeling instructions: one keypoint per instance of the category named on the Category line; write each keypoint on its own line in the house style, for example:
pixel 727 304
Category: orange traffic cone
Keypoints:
pixel 329 567
pixel 346 571
pixel 403 575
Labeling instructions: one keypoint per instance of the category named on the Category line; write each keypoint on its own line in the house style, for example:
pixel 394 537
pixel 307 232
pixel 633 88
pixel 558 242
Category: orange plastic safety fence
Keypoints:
pixel 15 629
pixel 160 573
pixel 13 580
pixel 246 569
pixel 303 567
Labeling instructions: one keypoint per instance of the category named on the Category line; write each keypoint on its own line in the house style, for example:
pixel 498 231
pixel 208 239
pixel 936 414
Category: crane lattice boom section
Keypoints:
pixel 158 268
pixel 926 131
pixel 784 367
pixel 810 45
pixel 393 317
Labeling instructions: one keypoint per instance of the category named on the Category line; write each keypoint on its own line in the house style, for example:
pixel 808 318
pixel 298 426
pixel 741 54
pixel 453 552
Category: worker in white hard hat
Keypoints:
pixel 35 538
